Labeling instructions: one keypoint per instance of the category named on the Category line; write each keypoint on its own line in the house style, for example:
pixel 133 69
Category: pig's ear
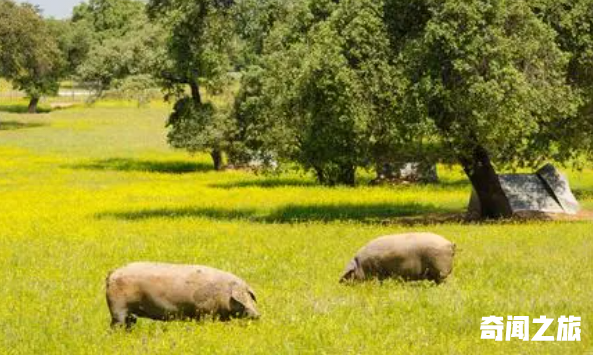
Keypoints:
pixel 252 294
pixel 350 271
pixel 236 300
pixel 240 294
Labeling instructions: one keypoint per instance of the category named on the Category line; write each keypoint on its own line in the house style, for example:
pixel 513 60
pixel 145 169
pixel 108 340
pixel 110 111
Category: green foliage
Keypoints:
pixel 198 43
pixel 490 77
pixel 573 22
pixel 199 47
pixel 196 128
pixel 254 20
pixel 126 48
pixel 141 88
pixel 327 88
pixel 74 40
pixel 123 57
pixel 110 18
pixel 485 73
pixel 29 55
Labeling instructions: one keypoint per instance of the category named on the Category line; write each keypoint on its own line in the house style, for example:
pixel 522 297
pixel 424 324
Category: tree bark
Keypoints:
pixel 195 92
pixel 33 104
pixel 216 159
pixel 347 175
pixel 216 154
pixel 478 167
pixel 320 175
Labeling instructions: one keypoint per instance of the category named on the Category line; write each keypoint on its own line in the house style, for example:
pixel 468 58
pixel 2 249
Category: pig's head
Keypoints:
pixel 353 272
pixel 243 302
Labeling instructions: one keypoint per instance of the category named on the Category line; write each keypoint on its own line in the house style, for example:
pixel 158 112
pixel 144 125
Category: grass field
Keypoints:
pixel 86 190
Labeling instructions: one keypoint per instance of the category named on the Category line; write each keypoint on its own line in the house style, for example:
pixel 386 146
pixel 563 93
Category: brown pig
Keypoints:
pixel 169 291
pixel 411 256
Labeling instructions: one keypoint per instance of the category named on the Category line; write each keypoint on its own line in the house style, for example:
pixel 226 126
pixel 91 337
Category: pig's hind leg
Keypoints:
pixel 120 314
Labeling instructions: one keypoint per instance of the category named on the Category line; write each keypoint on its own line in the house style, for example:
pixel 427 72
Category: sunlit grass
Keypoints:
pixel 85 190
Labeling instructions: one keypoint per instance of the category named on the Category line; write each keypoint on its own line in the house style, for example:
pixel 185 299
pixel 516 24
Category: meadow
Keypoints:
pixel 88 189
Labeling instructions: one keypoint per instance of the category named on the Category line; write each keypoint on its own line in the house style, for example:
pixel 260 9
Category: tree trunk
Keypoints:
pixel 216 154
pixel 347 175
pixel 33 104
pixel 216 159
pixel 479 169
pixel 319 174
pixel 195 92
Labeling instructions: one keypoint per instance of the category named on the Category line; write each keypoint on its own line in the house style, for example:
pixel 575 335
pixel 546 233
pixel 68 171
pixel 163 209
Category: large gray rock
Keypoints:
pixel 546 191
pixel 558 182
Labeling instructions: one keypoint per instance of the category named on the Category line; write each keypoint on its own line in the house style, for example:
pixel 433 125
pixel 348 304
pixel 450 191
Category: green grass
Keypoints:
pixel 85 190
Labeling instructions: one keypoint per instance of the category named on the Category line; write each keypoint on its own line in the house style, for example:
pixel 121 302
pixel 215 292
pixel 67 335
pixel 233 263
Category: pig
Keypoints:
pixel 410 256
pixel 165 292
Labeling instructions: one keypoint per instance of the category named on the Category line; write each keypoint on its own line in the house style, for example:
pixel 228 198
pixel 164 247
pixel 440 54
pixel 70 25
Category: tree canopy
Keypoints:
pixel 29 55
pixel 198 50
pixel 334 86
pixel 573 22
pixel 119 46
pixel 491 77
pixel 325 91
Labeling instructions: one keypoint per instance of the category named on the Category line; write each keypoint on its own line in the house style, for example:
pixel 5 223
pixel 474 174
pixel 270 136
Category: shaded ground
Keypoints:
pixel 269 183
pixel 365 213
pixel 153 166
pixel 22 108
pixel 14 125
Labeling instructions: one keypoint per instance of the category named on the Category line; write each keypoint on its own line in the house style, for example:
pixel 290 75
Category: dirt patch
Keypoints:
pixel 584 215
pixel 463 218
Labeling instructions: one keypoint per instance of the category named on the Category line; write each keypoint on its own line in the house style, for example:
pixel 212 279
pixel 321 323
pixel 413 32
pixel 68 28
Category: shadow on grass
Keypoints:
pixel 14 125
pixel 365 213
pixel 461 183
pixel 174 213
pixel 125 164
pixel 22 108
pixel 269 183
pixel 350 212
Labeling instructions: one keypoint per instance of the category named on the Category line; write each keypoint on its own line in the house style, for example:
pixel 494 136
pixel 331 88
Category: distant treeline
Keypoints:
pixel 333 86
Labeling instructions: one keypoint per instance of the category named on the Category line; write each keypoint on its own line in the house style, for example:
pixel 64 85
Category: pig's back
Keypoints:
pixel 170 282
